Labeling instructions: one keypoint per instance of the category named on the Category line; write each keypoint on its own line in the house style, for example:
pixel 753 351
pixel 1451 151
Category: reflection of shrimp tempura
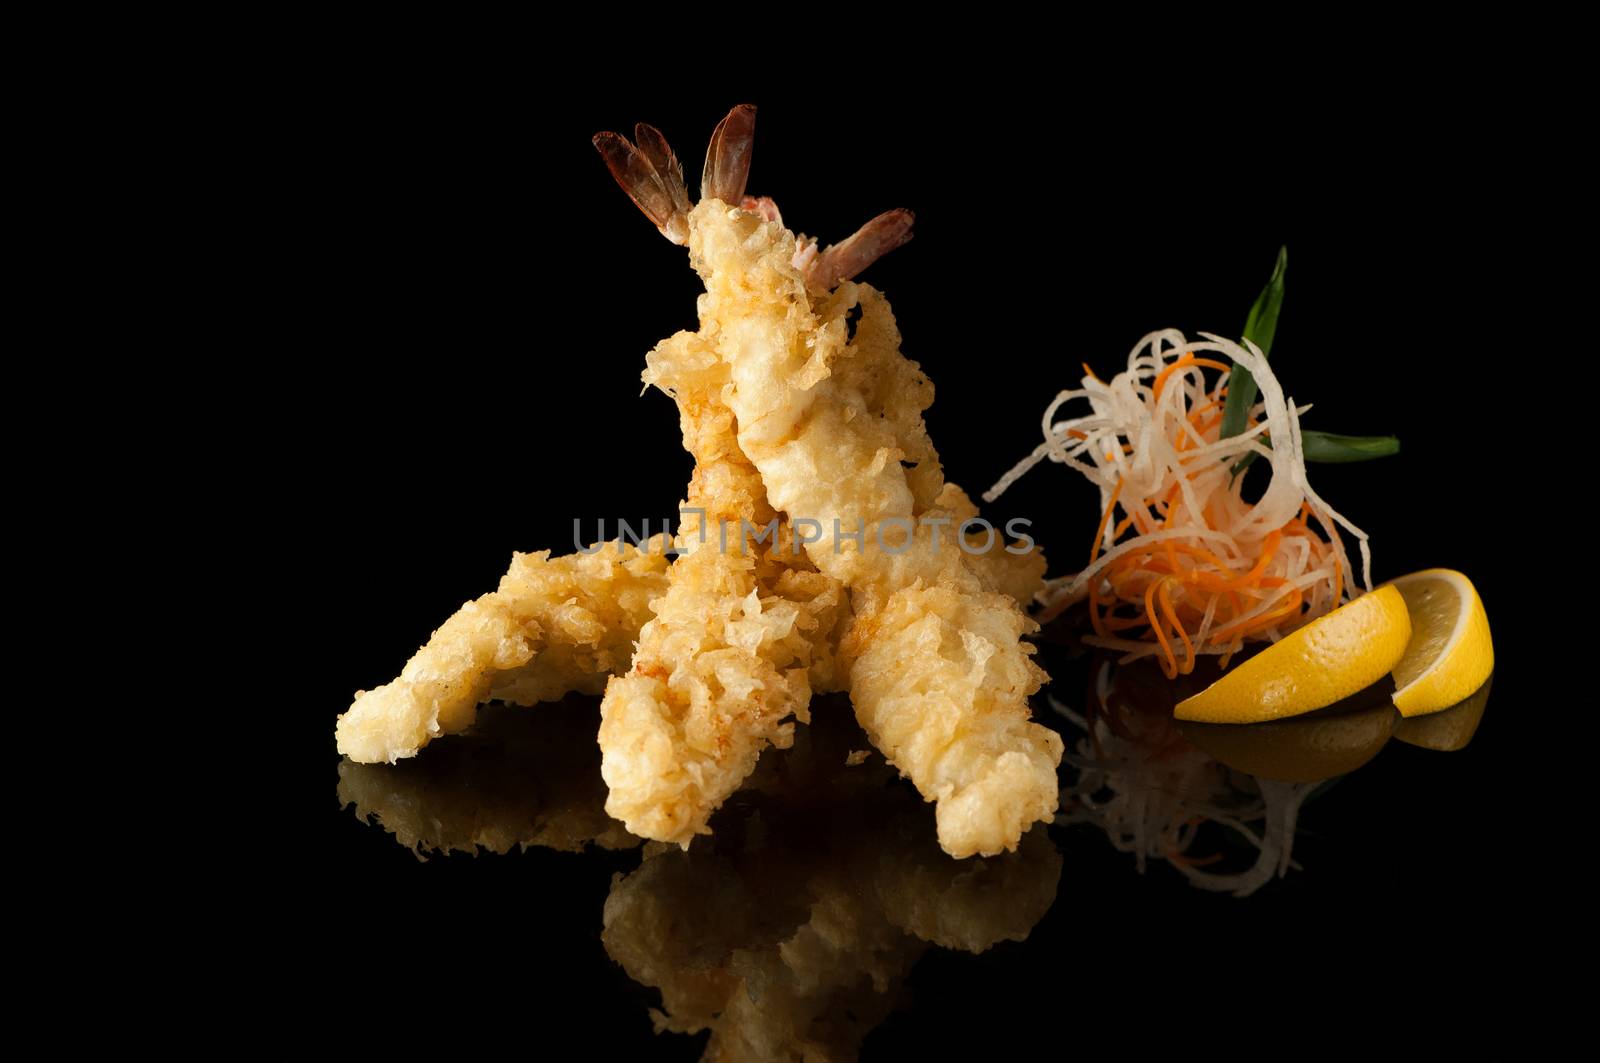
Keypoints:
pixel 518 779
pixel 789 935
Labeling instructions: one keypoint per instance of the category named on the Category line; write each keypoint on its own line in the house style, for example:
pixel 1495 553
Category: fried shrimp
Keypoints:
pixel 833 423
pixel 742 637
pixel 554 626
pixel 939 676
pixel 748 626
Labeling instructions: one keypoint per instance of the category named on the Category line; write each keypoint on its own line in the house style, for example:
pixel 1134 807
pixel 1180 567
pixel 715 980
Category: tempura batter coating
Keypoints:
pixel 941 679
pixel 897 391
pixel 555 625
pixel 743 633
pixel 1005 567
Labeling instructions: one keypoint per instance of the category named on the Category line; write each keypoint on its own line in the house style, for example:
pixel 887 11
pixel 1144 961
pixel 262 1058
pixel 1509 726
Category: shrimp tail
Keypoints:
pixel 840 262
pixel 652 176
pixel 728 157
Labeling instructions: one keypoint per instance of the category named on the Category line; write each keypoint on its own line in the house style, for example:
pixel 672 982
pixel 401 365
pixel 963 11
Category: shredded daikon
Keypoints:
pixel 1203 571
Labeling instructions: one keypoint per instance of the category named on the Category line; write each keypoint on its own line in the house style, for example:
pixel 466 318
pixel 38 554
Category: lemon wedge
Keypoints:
pixel 1326 661
pixel 1451 654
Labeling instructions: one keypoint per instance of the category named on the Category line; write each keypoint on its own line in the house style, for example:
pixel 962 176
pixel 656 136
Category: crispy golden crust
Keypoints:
pixel 555 625
pixel 735 637
pixel 833 423
pixel 938 681
pixel 742 636
pixel 1014 568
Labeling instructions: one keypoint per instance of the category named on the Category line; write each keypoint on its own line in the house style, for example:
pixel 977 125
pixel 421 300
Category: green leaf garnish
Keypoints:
pixel 1259 328
pixel 1328 447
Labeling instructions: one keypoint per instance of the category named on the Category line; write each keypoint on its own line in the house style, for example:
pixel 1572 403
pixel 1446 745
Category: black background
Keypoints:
pixel 456 353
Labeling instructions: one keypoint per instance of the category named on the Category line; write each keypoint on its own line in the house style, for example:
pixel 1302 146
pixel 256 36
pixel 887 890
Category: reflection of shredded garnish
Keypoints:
pixel 1203 571
pixel 1134 776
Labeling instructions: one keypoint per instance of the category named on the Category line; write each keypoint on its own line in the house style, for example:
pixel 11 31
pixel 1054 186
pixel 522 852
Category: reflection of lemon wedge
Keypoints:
pixel 1329 659
pixel 1299 749
pixel 1450 654
pixel 1448 729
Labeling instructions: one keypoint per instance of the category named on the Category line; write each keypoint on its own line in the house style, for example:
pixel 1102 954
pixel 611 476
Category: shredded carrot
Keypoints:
pixel 1172 618
pixel 1099 532
pixel 1173 588
pixel 1183 363
pixel 1238 628
pixel 1199 572
pixel 1094 552
pixel 1169 663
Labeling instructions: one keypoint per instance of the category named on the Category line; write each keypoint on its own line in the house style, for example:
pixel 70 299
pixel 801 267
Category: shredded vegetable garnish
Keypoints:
pixel 1189 567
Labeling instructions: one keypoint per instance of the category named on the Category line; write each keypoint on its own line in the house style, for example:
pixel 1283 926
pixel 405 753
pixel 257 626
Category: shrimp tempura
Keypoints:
pixel 746 630
pixel 834 426
pixel 743 635
pixel 555 626
pixel 939 676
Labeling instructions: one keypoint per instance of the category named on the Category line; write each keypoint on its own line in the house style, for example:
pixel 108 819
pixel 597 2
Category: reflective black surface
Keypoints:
pixel 460 315
pixel 802 925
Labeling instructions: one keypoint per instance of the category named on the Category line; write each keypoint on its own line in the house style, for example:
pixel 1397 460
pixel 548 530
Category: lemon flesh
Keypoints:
pixel 1326 661
pixel 1451 653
